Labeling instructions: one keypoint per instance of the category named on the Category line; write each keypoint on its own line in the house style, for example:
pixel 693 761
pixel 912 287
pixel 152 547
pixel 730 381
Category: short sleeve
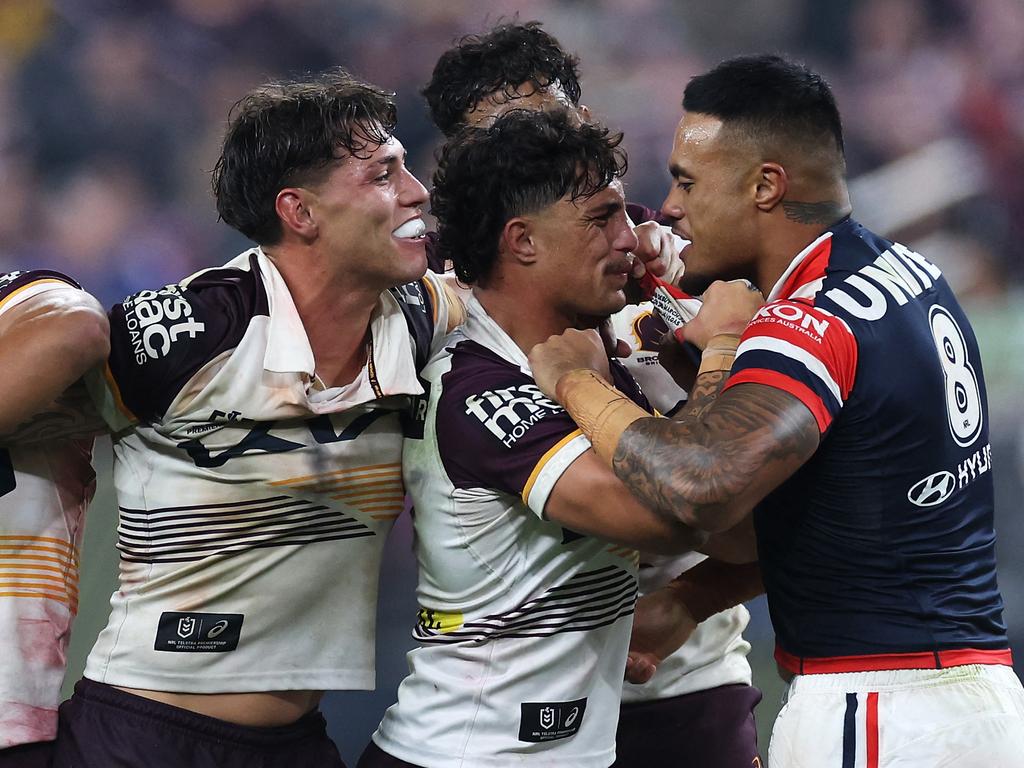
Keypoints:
pixel 496 430
pixel 803 350
pixel 16 287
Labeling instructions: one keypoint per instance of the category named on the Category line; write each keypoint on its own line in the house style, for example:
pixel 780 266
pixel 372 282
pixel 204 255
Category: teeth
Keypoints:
pixel 411 228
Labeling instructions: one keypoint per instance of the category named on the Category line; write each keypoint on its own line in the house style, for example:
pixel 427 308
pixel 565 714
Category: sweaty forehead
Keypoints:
pixel 698 131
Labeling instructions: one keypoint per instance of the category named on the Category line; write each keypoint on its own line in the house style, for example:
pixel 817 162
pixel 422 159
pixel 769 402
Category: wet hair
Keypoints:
pixel 289 133
pixel 523 163
pixel 503 59
pixel 775 101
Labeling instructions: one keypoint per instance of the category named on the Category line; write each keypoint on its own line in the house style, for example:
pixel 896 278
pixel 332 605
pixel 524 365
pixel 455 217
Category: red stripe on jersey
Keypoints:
pixel 810 269
pixel 822 336
pixel 797 389
pixel 871 720
pixel 877 662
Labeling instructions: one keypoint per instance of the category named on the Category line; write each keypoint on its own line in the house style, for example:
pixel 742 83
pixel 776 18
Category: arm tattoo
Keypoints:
pixel 71 416
pixel 825 212
pixel 710 467
pixel 703 394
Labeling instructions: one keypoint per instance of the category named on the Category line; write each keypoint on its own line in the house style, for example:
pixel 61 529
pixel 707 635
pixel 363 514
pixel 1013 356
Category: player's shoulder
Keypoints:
pixel 20 283
pixel 160 338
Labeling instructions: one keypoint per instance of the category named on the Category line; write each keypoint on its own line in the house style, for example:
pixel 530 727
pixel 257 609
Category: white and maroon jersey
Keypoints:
pixel 524 625
pixel 878 553
pixel 716 653
pixel 44 490
pixel 253 501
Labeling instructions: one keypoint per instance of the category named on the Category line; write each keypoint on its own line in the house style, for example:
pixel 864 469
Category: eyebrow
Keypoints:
pixel 677 171
pixel 391 157
pixel 607 209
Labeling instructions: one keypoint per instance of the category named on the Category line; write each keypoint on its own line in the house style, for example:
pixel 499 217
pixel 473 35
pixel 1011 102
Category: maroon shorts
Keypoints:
pixel 100 727
pixel 706 729
pixel 375 757
pixel 35 755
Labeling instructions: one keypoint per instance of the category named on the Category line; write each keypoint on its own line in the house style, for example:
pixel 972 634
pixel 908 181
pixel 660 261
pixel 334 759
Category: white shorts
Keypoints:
pixel 970 716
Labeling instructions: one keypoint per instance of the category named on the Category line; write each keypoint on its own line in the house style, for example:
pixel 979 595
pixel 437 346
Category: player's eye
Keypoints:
pixel 383 177
pixel 684 185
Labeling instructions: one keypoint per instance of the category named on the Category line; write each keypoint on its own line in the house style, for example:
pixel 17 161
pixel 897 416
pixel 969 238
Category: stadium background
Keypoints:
pixel 111 113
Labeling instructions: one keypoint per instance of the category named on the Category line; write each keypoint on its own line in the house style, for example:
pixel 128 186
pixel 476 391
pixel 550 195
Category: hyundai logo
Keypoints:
pixel 933 490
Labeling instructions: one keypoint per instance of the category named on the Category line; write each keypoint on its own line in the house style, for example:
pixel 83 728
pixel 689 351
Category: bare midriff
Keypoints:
pixel 261 710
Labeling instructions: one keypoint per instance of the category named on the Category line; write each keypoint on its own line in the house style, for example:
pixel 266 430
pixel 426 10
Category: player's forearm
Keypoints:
pixel 45 347
pixel 711 587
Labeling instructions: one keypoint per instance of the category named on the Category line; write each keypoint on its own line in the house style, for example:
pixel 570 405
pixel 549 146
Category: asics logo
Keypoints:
pixel 932 490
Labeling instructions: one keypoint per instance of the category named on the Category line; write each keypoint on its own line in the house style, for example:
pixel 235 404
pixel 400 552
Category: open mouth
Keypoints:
pixel 413 228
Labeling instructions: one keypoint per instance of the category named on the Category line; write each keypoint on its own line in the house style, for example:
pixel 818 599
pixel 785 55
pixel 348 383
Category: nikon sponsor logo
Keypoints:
pixel 509 413
pixel 156 319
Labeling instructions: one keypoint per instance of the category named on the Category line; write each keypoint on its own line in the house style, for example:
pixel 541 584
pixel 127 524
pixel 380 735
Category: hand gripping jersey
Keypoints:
pixel 44 490
pixel 715 654
pixel 524 625
pixel 878 552
pixel 253 501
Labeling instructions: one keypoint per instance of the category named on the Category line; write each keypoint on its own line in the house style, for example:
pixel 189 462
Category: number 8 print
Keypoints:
pixel 963 396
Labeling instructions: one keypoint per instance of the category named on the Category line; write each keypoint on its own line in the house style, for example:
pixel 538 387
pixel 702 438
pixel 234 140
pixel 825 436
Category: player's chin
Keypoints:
pixel 411 258
pixel 607 303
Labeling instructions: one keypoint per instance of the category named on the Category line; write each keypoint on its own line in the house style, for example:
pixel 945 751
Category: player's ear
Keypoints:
pixel 771 186
pixel 517 239
pixel 292 207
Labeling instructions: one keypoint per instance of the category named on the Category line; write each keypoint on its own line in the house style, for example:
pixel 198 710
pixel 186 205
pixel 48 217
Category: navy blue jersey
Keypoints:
pixel 883 542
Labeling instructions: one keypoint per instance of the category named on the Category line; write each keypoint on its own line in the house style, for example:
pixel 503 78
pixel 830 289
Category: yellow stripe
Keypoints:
pixel 433 297
pixel 41 281
pixel 545 459
pixel 354 471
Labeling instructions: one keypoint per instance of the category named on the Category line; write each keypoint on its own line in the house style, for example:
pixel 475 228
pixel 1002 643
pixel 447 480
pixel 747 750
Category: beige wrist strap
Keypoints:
pixel 600 410
pixel 719 354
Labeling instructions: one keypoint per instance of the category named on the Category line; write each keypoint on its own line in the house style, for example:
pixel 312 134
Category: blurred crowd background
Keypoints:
pixel 111 112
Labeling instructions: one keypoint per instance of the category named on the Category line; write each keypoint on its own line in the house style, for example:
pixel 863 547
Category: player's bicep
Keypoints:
pixel 588 498
pixel 760 436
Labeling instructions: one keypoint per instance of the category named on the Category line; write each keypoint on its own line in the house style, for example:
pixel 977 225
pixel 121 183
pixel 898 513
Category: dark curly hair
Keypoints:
pixel 288 133
pixel 479 65
pixel 523 163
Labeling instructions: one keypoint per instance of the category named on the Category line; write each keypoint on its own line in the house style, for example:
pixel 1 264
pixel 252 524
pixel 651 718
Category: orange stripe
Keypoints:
pixel 355 491
pixel 29 551
pixel 26 577
pixel 48 568
pixel 48 539
pixel 372 493
pixel 353 470
pixel 48 548
pixel 380 507
pixel 871 717
pixel 544 460
pixel 386 517
pixel 340 485
pixel 6 299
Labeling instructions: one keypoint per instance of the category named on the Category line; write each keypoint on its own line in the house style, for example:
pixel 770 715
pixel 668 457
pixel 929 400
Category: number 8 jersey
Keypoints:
pixel 879 552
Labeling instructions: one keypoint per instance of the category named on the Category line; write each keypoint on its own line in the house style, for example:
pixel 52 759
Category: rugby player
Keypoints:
pixel 525 605
pixel 51 333
pixel 704 687
pixel 258 408
pixel 853 424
